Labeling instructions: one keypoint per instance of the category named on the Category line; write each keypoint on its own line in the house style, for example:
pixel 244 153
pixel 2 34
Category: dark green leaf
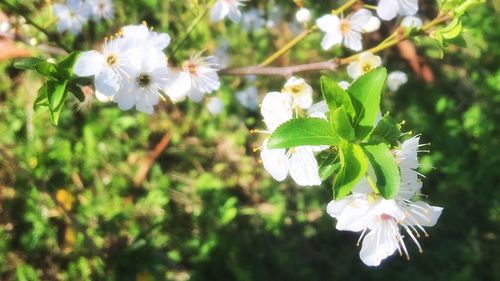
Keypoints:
pixel 47 69
pixel 335 96
pixel 342 124
pixel 41 99
pixel 386 131
pixel 303 131
pixel 56 92
pixel 328 162
pixel 65 66
pixel 27 63
pixel 353 166
pixel 77 92
pixel 365 94
pixel 386 169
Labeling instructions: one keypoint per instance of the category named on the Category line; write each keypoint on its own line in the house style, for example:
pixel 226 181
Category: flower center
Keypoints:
pixel 385 217
pixel 345 26
pixel 144 80
pixel 111 60
pixel 366 67
pixel 190 67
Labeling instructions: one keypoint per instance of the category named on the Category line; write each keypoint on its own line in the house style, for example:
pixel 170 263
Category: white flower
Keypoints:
pixel 381 219
pixel 299 161
pixel 396 79
pixel 412 22
pixel 248 98
pixel 346 30
pixel 226 8
pixel 365 63
pixel 215 106
pixel 115 62
pixel 253 20
pixel 389 9
pixel 142 88
pixel 300 91
pixel 143 35
pixel 221 53
pixel 72 16
pixel 200 73
pixel 372 25
pixel 303 15
pixel 178 88
pixel 344 85
pixel 101 9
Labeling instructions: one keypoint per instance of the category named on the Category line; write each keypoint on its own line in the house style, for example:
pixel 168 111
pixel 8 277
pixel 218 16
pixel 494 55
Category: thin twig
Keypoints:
pixel 286 71
pixel 150 159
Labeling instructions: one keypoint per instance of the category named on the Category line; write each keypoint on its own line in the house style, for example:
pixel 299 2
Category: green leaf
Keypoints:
pixel 77 92
pixel 365 94
pixel 342 124
pixel 386 169
pixel 387 131
pixel 303 131
pixel 27 63
pixel 353 166
pixel 328 162
pixel 41 99
pixel 56 92
pixel 47 69
pixel 453 29
pixel 65 66
pixel 335 96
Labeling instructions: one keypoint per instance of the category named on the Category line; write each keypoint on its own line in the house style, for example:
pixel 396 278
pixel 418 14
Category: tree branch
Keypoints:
pixel 286 71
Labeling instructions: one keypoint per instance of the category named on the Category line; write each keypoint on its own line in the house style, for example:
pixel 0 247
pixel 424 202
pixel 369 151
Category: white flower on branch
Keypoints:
pixel 365 63
pixel 71 16
pixel 372 25
pixel 142 35
pixel 248 98
pixel 215 105
pixel 347 30
pixel 412 22
pixel 101 9
pixel 300 91
pixel 396 79
pixel 389 9
pixel 379 220
pixel 226 8
pixel 303 15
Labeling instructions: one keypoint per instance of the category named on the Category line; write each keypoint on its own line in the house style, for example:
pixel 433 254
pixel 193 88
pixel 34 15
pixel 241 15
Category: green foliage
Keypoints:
pixel 387 130
pixel 386 169
pixel 303 131
pixel 353 166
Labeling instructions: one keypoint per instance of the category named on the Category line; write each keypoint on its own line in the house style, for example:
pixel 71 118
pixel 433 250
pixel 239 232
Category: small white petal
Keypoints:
pixel 88 64
pixel 304 167
pixel 275 162
pixel 388 9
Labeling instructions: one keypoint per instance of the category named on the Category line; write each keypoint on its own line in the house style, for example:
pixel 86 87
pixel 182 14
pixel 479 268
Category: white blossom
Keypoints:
pixel 344 85
pixel 226 8
pixel 372 25
pixel 215 105
pixel 396 79
pixel 389 9
pixel 248 98
pixel 365 63
pixel 344 30
pixel 303 15
pixel 71 16
pixel 101 9
pixel 148 38
pixel 412 22
pixel 253 20
pixel 300 91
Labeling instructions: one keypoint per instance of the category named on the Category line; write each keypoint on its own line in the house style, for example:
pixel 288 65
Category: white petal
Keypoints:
pixel 331 39
pixel 354 70
pixel 408 7
pixel 320 107
pixel 219 11
pixel 372 25
pixel 234 14
pixel 138 32
pixel 304 167
pixel 360 18
pixel 355 215
pixel 125 98
pixel 328 23
pixel 103 98
pixel 352 40
pixel 276 109
pixel 430 214
pixel 106 82
pixel 160 40
pixel 387 9
pixel 88 64
pixel 380 243
pixel 195 95
pixel 275 162
pixel 412 22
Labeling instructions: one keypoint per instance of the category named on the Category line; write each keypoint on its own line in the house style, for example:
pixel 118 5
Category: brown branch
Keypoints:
pixel 150 159
pixel 286 71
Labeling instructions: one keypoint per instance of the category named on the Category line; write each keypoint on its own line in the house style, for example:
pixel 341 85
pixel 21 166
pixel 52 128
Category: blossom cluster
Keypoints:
pixel 72 15
pixel 131 70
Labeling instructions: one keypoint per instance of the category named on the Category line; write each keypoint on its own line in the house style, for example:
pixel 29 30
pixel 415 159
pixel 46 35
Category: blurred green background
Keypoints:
pixel 207 210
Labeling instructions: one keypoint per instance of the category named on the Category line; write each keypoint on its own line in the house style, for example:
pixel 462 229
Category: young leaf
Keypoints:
pixel 386 169
pixel 365 94
pixel 303 131
pixel 386 131
pixel 328 164
pixel 353 166
pixel 56 92
pixel 342 124
pixel 65 66
pixel 41 99
pixel 335 96
pixel 27 63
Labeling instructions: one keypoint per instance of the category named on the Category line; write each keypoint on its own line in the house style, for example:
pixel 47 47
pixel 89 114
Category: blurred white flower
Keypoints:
pixel 372 25
pixel 71 16
pixel 248 98
pixel 303 15
pixel 300 91
pixel 347 30
pixel 412 22
pixel 178 88
pixel 253 20
pixel 215 105
pixel 114 63
pixel 200 73
pixel 396 79
pixel 365 63
pixel 389 9
pixel 142 88
pixel 344 85
pixel 222 53
pixel 101 9
pixel 226 8
pixel 143 35
pixel 299 161
pixel 5 26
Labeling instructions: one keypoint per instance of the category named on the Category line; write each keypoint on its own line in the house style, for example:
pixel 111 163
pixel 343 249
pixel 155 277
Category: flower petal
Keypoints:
pixel 380 243
pixel 275 162
pixel 387 9
pixel 304 167
pixel 88 64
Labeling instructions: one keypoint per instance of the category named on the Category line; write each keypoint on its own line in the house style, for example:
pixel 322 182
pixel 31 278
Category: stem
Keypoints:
pixel 26 16
pixel 302 36
pixel 286 71
pixel 192 26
